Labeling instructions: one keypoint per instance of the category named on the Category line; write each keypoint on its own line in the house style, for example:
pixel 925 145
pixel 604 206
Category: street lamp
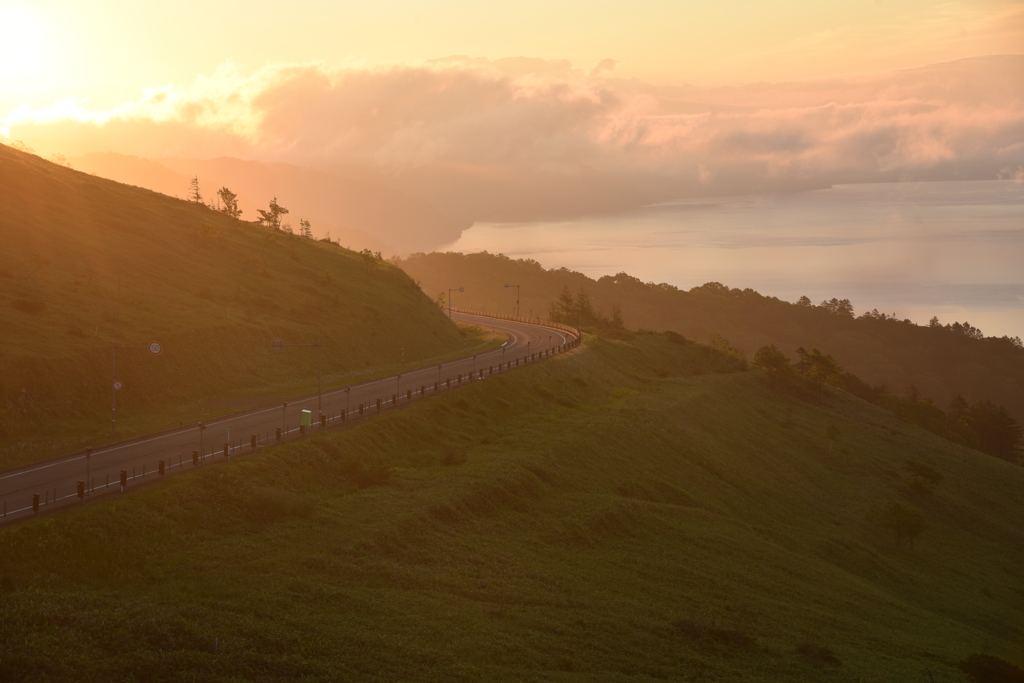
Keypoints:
pixel 517 297
pixel 460 289
pixel 276 344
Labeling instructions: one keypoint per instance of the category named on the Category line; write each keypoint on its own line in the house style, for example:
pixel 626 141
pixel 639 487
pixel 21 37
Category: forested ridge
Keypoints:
pixel 936 362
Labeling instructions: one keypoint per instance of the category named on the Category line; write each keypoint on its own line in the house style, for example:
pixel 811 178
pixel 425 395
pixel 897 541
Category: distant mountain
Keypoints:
pixel 361 214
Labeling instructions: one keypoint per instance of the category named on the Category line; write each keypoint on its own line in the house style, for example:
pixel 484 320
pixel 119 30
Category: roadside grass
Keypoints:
pixel 634 510
pixel 88 261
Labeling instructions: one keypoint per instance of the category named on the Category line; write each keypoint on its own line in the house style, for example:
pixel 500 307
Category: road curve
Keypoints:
pixel 56 481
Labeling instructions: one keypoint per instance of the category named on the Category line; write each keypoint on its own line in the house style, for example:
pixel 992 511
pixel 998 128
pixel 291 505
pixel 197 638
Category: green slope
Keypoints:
pixel 630 511
pixel 87 261
pixel 940 363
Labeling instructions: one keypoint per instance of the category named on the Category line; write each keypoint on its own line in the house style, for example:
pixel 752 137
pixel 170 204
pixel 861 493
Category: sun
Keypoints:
pixel 23 48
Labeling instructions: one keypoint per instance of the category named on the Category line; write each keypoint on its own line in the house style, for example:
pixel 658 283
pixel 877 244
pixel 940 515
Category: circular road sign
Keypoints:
pixel 276 343
pixel 462 289
pixel 156 348
pixel 118 386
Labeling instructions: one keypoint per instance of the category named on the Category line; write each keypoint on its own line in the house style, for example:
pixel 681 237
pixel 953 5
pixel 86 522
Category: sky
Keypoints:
pixel 530 110
pixel 58 42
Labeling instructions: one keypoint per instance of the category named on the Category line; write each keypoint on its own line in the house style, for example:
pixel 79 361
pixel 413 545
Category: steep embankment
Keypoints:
pixel 622 512
pixel 87 261
pixel 940 363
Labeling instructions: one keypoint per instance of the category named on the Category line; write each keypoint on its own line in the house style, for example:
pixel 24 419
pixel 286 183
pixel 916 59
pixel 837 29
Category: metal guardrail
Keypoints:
pixel 178 456
pixel 537 322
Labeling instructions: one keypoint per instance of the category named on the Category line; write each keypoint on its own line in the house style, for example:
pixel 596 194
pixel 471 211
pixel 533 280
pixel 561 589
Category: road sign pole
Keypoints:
pixel 319 390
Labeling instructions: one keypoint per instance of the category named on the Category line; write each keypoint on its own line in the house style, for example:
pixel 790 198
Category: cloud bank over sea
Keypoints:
pixel 522 138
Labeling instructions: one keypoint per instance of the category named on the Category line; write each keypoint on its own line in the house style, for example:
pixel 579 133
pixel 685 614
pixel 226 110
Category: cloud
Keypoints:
pixel 526 118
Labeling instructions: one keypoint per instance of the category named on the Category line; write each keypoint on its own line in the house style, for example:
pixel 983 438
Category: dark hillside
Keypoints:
pixel 631 511
pixel 939 362
pixel 88 261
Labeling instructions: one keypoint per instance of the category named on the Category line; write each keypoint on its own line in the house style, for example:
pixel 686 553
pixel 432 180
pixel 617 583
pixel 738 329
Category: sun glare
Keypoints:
pixel 23 48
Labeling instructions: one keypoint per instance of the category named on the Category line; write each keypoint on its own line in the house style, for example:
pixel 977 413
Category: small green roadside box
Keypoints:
pixel 306 418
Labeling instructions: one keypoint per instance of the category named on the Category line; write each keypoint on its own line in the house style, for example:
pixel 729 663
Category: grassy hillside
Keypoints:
pixel 360 213
pixel 940 363
pixel 87 261
pixel 630 511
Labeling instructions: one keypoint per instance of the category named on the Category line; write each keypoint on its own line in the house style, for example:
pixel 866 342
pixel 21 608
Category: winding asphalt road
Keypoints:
pixel 56 481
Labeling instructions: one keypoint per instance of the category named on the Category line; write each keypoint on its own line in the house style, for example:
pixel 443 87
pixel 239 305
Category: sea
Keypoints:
pixel 953 249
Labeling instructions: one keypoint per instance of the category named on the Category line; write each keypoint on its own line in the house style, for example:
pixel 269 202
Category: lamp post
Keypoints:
pixel 276 344
pixel 460 289
pixel 517 297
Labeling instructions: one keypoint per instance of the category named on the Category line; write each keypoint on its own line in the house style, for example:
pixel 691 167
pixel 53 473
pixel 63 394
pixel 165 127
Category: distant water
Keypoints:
pixel 951 249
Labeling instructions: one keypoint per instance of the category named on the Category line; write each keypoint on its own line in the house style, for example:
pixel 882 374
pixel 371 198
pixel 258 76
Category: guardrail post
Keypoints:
pixel 378 405
pixel 35 502
pixel 226 452
pixel 160 467
pixel 195 458
pixel 81 490
pixel 302 430
pixel 277 434
pixel 124 480
pixel 360 410
pixel 408 395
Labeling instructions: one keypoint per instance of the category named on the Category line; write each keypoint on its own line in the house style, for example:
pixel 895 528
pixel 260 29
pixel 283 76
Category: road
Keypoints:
pixel 56 481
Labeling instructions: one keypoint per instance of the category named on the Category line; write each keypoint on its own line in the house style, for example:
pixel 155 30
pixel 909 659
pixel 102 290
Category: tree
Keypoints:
pixel 585 313
pixel 272 217
pixel 997 433
pixel 841 307
pixel 304 228
pixel 230 201
pixel 564 309
pixel 440 300
pixel 721 344
pixel 818 368
pixel 370 259
pixel 804 301
pixel 60 159
pixel 773 361
pixel 193 191
pixel 617 323
pixel 22 147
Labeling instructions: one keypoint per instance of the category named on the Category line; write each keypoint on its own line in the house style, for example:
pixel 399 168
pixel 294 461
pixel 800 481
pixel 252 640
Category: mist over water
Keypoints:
pixel 951 249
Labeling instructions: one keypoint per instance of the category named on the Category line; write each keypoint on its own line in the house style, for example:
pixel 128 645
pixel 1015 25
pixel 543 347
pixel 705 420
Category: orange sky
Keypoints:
pixel 649 98
pixel 54 42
